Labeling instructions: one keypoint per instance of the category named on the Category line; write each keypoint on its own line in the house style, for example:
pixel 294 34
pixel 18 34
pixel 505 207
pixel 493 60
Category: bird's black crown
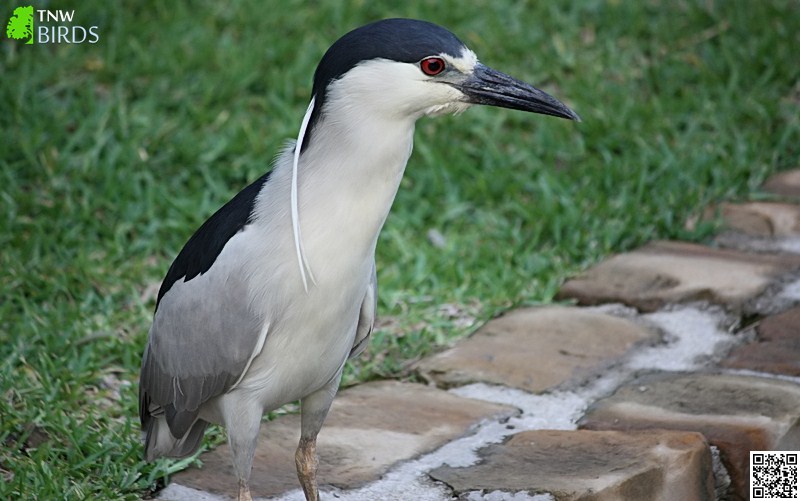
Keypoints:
pixel 402 40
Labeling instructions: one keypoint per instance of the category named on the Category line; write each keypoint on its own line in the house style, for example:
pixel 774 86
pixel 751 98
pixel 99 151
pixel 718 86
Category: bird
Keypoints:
pixel 270 297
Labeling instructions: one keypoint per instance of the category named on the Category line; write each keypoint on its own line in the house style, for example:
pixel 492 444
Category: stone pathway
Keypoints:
pixel 677 360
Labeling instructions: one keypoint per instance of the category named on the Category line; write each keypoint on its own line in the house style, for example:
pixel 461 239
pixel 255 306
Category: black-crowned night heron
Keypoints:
pixel 270 297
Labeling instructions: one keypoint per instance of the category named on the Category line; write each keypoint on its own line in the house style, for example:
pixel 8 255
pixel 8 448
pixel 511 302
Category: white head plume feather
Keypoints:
pixel 298 241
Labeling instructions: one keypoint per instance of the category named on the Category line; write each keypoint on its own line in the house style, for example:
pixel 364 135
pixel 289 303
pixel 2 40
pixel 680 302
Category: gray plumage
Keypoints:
pixel 272 295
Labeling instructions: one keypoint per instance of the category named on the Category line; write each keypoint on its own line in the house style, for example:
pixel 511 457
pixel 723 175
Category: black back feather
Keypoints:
pixel 204 246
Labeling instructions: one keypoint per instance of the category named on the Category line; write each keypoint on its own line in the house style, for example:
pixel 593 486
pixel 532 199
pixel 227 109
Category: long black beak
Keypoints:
pixel 493 88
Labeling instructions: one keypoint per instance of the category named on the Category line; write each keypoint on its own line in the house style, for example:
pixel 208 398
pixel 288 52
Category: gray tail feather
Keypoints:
pixel 159 441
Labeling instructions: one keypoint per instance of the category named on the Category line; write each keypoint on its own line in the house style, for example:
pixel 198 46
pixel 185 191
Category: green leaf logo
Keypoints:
pixel 20 26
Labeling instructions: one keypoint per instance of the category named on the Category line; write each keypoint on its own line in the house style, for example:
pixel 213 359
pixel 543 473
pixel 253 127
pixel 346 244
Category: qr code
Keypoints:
pixel 773 475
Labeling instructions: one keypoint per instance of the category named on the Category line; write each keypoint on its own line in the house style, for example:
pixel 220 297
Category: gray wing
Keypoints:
pixel 203 334
pixel 202 338
pixel 366 318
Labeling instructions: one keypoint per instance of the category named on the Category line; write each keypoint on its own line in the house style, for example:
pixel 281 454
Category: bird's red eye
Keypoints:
pixel 432 65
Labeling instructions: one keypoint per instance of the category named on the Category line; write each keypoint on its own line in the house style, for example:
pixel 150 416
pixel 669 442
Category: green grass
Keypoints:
pixel 112 154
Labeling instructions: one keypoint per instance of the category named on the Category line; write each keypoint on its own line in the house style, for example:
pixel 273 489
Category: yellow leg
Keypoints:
pixel 313 409
pixel 244 492
pixel 306 461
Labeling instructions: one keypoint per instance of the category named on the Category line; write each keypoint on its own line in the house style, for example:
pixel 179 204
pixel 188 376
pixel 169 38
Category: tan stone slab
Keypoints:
pixel 786 183
pixel 738 414
pixel 776 349
pixel 675 272
pixel 592 465
pixel 370 427
pixel 760 219
pixel 535 349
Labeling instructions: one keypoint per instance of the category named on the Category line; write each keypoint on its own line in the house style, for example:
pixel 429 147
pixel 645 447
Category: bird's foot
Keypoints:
pixel 306 461
pixel 244 492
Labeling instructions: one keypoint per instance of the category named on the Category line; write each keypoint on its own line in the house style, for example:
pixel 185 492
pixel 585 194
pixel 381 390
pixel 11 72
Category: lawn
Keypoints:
pixel 111 154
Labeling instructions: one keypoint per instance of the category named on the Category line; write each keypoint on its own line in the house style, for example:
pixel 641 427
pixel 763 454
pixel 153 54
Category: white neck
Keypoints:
pixel 348 177
pixel 351 168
